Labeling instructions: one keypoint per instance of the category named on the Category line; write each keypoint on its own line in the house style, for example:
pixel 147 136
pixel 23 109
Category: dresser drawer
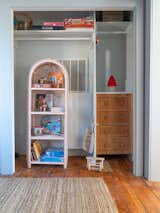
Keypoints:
pixel 113 145
pixel 111 117
pixel 105 131
pixel 113 102
pixel 114 124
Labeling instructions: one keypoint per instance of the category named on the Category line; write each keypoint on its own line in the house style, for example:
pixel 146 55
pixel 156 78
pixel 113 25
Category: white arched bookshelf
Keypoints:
pixel 47 114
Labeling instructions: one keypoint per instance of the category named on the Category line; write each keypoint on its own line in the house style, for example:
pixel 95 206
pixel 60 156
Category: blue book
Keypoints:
pixel 45 158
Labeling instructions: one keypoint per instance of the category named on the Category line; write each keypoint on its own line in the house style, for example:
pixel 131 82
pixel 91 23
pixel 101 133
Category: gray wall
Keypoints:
pixel 111 59
pixel 26 54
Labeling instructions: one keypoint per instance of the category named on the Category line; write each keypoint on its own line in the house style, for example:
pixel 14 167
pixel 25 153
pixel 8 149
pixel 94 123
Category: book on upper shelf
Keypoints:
pixel 42 27
pixel 53 24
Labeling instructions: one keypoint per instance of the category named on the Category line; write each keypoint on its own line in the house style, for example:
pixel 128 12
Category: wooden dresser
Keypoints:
pixel 114 124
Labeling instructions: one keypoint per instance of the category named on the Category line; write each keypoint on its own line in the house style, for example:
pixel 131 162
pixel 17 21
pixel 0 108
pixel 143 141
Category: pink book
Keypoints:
pixel 53 24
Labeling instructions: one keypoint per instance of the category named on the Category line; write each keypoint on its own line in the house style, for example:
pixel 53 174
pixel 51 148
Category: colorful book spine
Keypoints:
pixel 37 149
pixel 53 24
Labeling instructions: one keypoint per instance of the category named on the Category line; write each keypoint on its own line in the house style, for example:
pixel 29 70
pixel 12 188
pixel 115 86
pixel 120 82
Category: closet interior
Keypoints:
pixel 97 50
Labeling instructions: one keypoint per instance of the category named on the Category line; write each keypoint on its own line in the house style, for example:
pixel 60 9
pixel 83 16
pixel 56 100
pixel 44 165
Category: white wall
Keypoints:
pixel 6 67
pixel 154 89
pixel 6 93
pixel 62 4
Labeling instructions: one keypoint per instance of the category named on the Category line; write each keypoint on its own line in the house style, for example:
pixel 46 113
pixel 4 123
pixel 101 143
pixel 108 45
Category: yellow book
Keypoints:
pixel 37 148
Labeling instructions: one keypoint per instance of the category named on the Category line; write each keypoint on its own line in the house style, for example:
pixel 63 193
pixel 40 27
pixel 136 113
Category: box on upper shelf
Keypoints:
pixel 85 22
pixel 113 16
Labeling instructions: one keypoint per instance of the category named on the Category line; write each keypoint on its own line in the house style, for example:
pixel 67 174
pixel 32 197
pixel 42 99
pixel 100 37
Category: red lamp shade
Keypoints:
pixel 111 81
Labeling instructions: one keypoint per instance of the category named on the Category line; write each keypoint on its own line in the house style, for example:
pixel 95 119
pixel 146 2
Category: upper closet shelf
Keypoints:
pixel 69 34
pixel 113 27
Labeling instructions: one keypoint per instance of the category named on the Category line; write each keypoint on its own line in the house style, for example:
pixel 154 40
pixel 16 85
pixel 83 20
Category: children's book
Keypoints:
pixel 37 148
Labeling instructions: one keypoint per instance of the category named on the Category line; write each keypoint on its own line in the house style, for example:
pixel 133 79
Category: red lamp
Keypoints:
pixel 111 81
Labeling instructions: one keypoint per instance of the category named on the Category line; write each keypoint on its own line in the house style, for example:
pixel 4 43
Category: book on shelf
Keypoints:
pixel 57 109
pixel 42 27
pixel 53 23
pixel 37 149
pixel 33 155
pixel 53 155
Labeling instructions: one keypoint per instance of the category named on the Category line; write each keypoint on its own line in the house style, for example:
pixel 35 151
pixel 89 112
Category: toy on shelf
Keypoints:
pixel 95 163
pixel 37 130
pixel 48 126
pixel 41 103
pixel 51 125
pixel 56 79
pixel 42 81
pixel 54 126
pixel 44 102
pixel 48 77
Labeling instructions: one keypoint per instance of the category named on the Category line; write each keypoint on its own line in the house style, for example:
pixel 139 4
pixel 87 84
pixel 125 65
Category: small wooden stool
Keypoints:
pixel 95 163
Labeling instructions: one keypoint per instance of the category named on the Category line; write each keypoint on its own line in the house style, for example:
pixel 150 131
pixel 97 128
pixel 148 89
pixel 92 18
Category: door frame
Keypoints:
pixel 137 7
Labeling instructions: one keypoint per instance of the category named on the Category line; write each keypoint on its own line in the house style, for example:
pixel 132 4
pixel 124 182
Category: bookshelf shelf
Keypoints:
pixel 48 89
pixel 49 120
pixel 47 163
pixel 47 113
pixel 68 34
pixel 47 137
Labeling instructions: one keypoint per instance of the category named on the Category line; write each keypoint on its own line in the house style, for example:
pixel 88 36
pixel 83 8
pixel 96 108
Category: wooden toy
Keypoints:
pixel 95 163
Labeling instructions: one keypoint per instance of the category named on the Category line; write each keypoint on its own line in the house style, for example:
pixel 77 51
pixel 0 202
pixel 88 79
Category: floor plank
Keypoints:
pixel 132 194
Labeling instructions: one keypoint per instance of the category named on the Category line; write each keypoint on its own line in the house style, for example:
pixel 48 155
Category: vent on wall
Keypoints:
pixel 78 74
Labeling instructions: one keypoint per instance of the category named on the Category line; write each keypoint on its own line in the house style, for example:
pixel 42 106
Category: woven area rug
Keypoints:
pixel 55 195
pixel 107 167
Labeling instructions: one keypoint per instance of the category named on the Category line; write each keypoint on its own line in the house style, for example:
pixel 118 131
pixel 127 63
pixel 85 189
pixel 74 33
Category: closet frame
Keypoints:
pixel 84 36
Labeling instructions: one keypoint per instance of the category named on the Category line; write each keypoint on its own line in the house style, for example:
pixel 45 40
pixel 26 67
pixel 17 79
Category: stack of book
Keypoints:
pixel 57 109
pixel 52 155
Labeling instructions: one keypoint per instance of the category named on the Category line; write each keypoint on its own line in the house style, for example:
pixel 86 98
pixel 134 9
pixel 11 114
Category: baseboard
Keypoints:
pixel 77 152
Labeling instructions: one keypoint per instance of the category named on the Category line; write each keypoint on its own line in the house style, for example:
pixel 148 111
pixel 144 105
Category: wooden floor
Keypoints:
pixel 131 194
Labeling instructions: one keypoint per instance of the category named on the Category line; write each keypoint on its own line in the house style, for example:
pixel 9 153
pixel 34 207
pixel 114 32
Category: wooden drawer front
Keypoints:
pixel 113 102
pixel 121 148
pixel 113 145
pixel 113 140
pixel 114 124
pixel 122 131
pixel 110 117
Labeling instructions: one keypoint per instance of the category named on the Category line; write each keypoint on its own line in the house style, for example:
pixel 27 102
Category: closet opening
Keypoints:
pixel 115 84
pixel 97 50
pixel 68 39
